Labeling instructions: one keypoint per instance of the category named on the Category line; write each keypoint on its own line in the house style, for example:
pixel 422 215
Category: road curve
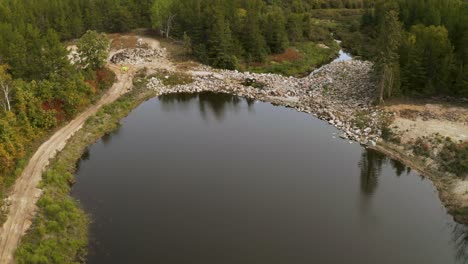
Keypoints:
pixel 25 192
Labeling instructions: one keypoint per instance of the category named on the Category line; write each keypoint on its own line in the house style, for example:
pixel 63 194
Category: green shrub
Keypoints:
pixel 362 119
pixel 311 56
pixel 421 147
pixel 253 83
pixel 387 132
pixel 454 158
pixel 173 78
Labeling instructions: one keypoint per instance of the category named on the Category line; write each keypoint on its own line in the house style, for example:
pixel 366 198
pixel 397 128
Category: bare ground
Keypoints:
pixel 25 192
pixel 413 121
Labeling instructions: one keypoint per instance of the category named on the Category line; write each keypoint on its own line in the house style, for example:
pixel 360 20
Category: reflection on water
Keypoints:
pixel 245 188
pixel 106 139
pixel 371 167
pixel 207 104
pixel 342 56
pixel 84 157
pixel 460 239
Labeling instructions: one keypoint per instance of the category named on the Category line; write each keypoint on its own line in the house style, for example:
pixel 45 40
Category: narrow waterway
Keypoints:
pixel 216 179
pixel 342 55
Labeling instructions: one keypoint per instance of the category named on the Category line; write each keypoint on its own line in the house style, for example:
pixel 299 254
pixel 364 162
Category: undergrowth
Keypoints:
pixel 454 157
pixel 173 78
pixel 299 60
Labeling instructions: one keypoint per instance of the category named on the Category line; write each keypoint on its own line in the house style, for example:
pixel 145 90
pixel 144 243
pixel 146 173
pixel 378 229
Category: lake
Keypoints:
pixel 212 178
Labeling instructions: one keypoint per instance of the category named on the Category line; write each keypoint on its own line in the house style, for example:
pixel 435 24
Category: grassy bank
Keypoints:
pixel 59 233
pixel 298 60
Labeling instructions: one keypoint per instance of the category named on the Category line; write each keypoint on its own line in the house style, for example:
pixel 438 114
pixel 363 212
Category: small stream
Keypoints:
pixel 217 179
pixel 342 56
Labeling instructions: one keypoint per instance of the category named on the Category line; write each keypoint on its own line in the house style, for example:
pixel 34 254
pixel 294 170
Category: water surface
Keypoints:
pixel 213 179
pixel 342 55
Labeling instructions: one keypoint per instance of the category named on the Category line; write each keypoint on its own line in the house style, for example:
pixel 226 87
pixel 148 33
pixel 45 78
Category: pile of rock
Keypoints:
pixel 154 84
pixel 136 56
pixel 343 81
pixel 336 93
pixel 271 81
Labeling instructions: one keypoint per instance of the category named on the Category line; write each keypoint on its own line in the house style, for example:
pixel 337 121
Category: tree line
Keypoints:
pixel 40 88
pixel 225 33
pixel 421 46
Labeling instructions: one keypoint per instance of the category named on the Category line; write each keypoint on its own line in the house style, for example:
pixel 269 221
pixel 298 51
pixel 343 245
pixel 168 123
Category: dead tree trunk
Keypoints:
pixel 169 25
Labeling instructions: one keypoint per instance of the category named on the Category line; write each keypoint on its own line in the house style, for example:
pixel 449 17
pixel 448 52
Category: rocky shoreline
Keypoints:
pixel 339 93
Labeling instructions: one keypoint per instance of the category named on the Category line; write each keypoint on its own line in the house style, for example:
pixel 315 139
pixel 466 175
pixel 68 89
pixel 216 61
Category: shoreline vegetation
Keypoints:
pixel 443 182
pixel 60 229
pixel 98 85
pixel 243 36
pixel 59 233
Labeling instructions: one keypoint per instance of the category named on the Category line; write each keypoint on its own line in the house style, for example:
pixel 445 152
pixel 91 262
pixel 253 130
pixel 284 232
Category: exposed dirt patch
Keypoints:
pixel 425 129
pixel 119 41
pixel 414 121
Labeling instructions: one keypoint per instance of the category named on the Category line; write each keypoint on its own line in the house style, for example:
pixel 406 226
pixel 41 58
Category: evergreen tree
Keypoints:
pixel 274 27
pixel 254 42
pixel 387 62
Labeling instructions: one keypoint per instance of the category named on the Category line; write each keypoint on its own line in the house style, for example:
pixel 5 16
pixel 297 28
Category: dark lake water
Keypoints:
pixel 214 179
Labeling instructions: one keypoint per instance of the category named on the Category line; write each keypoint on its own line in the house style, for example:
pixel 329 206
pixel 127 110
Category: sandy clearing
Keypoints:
pixel 413 121
pixel 413 129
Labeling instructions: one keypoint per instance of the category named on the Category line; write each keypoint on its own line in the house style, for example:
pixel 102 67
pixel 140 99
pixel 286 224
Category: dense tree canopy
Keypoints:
pixel 433 53
pixel 222 33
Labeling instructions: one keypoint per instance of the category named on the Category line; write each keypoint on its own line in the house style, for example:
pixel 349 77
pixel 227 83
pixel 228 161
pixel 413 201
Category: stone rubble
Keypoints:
pixel 334 93
pixel 137 56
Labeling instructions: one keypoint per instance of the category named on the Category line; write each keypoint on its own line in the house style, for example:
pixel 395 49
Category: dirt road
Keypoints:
pixel 25 192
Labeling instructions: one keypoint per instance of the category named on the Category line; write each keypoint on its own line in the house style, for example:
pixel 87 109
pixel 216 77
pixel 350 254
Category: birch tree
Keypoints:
pixel 162 15
pixel 6 87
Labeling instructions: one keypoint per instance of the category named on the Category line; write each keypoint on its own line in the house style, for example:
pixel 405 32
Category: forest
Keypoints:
pixel 41 89
pixel 420 48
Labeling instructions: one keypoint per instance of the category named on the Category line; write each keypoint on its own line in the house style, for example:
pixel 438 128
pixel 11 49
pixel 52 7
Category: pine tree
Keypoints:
pixel 219 43
pixel 274 27
pixel 387 62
